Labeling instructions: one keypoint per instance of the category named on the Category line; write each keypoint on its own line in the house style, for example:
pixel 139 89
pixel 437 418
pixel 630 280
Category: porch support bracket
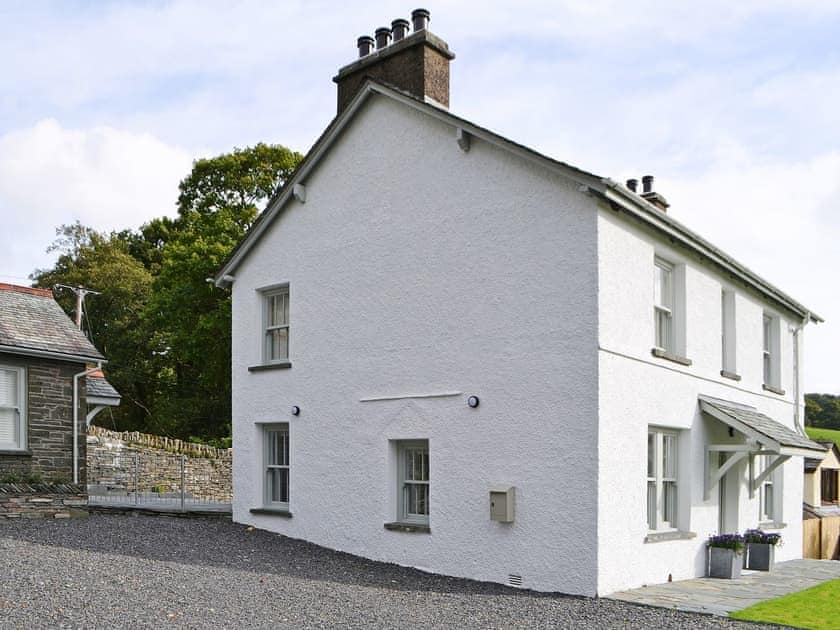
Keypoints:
pixel 713 477
pixel 756 482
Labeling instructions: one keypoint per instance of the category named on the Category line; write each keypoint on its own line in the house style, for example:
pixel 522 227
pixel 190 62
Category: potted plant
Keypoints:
pixel 725 555
pixel 761 549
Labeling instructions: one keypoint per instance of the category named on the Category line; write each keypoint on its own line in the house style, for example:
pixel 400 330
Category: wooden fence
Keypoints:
pixel 821 538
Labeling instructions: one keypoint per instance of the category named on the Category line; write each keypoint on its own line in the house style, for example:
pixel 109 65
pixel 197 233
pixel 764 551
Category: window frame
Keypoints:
pixel 766 513
pixel 268 328
pixel 657 511
pixel 770 350
pixel 404 515
pixel 663 309
pixel 268 466
pixel 19 410
pixel 728 359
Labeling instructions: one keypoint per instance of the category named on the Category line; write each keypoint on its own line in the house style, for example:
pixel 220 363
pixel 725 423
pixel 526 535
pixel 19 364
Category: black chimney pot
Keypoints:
pixel 420 17
pixel 647 183
pixel 632 184
pixel 399 29
pixel 365 44
pixel 383 37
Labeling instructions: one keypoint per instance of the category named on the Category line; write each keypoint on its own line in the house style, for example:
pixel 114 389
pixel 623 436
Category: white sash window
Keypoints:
pixel 12 408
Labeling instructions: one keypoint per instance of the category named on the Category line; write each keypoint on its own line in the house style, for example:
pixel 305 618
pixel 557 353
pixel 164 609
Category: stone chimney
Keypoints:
pixel 417 63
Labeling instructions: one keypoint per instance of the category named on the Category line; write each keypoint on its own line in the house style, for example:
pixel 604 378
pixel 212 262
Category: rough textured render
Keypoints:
pixel 415 268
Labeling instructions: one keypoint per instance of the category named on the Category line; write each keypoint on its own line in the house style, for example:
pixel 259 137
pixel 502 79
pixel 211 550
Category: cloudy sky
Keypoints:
pixel 733 106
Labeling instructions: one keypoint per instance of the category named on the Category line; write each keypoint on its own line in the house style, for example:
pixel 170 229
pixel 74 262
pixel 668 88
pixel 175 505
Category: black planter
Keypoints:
pixel 760 556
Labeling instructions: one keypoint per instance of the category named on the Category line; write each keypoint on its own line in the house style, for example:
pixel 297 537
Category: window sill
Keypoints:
pixel 655 537
pixel 20 453
pixel 771 525
pixel 732 375
pixel 771 388
pixel 662 354
pixel 279 365
pixel 412 528
pixel 272 512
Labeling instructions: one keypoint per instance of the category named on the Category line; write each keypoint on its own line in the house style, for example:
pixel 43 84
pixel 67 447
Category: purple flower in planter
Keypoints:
pixel 727 541
pixel 761 537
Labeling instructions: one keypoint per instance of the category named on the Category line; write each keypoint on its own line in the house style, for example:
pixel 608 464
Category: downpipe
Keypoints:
pixel 76 378
pixel 797 375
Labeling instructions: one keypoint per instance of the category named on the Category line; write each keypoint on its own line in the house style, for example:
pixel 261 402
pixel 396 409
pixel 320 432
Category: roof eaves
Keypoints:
pixel 651 215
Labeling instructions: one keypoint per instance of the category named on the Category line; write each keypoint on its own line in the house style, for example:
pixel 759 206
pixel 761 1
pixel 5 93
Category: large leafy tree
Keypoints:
pixel 113 319
pixel 189 318
pixel 164 328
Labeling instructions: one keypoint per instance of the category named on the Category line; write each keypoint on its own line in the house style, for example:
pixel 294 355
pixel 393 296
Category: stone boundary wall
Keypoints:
pixel 161 443
pixel 43 500
pixel 116 459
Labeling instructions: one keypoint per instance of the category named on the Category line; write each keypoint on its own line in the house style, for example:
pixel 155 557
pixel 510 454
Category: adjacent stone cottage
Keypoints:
pixel 43 364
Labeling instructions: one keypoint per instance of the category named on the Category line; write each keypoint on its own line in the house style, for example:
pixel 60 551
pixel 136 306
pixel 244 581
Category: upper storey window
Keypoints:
pixel 663 305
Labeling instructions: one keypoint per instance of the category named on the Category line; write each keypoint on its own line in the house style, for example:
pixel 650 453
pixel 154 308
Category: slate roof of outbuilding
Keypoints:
pixel 96 385
pixel 31 320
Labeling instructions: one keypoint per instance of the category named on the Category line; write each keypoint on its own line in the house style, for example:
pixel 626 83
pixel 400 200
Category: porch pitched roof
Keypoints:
pixel 772 434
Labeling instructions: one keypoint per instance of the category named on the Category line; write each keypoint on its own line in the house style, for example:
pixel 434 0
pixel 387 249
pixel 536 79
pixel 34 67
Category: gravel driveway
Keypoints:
pixel 144 571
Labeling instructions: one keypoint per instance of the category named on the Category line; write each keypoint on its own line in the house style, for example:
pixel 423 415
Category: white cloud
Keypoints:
pixel 105 178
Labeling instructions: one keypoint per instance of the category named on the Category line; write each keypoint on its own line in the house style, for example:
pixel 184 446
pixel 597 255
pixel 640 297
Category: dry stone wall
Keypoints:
pixel 129 462
pixel 46 500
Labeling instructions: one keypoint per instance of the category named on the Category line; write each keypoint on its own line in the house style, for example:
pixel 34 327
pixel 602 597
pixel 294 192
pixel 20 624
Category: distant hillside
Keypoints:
pixel 822 411
pixel 824 434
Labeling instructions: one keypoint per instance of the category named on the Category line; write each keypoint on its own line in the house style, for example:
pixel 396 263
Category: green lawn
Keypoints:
pixel 824 434
pixel 816 607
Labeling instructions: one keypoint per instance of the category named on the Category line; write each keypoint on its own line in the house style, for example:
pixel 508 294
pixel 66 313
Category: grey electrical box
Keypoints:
pixel 501 504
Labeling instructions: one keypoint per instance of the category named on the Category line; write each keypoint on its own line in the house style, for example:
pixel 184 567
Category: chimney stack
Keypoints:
pixel 417 63
pixel 653 197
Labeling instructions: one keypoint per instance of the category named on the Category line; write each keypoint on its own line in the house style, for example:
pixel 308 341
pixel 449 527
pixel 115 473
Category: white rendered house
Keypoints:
pixel 454 353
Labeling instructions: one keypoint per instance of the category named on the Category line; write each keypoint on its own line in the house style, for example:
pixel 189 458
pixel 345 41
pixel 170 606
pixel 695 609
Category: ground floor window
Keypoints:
pixel 276 464
pixel 12 408
pixel 828 485
pixel 767 491
pixel 414 495
pixel 662 479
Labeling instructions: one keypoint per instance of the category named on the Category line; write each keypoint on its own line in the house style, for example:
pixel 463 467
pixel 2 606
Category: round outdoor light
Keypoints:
pixel 472 401
pixel 295 410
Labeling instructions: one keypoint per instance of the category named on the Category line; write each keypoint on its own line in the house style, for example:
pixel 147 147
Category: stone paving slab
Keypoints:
pixel 721 597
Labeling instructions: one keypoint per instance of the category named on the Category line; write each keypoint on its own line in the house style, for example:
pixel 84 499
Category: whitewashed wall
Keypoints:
pixel 416 268
pixel 637 390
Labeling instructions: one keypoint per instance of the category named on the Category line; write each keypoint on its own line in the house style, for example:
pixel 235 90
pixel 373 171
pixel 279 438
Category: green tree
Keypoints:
pixel 189 318
pixel 112 319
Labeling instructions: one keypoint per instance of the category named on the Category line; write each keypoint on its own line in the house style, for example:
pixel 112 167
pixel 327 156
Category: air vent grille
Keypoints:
pixel 514 580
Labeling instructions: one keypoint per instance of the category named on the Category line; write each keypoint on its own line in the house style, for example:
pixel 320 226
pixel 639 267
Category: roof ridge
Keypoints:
pixel 30 290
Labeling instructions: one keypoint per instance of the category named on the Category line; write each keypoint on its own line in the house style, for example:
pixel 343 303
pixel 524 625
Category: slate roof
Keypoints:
pixel 97 386
pixel 619 197
pixel 761 424
pixel 31 320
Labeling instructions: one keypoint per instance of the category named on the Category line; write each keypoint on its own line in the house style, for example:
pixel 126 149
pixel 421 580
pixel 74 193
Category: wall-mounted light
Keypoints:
pixel 731 432
pixel 473 401
pixel 295 410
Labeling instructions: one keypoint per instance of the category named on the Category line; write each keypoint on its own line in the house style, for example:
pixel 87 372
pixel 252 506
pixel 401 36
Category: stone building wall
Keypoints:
pixel 49 453
pixel 118 461
pixel 23 500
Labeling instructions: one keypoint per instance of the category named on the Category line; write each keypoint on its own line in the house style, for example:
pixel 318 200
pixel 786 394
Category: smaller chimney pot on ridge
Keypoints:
pixel 633 184
pixel 653 197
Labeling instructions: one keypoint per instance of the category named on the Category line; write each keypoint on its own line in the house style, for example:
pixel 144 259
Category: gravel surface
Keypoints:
pixel 145 571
